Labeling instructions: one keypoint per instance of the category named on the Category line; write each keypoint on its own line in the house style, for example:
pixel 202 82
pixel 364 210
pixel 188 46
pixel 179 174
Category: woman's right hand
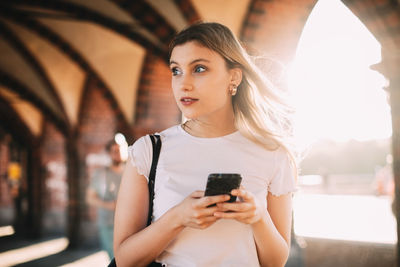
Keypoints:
pixel 194 210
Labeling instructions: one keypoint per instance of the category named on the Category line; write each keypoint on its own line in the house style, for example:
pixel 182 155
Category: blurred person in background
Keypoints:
pixel 102 194
pixel 384 181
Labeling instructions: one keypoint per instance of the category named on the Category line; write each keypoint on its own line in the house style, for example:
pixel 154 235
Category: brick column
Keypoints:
pixel 55 192
pixel 394 90
pixel 390 68
pixel 156 108
pixel 33 222
pixel 74 190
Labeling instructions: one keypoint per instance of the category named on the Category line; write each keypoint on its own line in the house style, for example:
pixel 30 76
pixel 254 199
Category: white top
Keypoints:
pixel 183 167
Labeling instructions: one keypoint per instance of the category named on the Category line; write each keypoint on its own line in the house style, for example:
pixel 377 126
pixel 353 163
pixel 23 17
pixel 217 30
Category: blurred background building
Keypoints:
pixel 74 73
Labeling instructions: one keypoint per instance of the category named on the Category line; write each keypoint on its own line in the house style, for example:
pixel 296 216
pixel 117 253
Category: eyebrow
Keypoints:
pixel 192 62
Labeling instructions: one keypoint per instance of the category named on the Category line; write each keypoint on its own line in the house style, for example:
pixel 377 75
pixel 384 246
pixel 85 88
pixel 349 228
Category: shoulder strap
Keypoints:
pixel 156 142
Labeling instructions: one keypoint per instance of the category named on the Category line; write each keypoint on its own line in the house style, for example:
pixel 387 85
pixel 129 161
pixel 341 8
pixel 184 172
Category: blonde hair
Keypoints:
pixel 260 112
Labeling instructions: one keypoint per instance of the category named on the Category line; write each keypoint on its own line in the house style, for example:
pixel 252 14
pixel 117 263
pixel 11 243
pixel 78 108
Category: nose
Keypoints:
pixel 187 83
pixel 187 87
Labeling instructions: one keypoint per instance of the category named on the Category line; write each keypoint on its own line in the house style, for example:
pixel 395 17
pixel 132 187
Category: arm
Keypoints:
pixel 272 232
pixel 271 228
pixel 130 231
pixel 94 200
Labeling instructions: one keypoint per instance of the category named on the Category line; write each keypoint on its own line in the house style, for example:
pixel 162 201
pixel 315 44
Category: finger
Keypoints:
pixel 204 212
pixel 197 194
pixel 203 222
pixel 236 206
pixel 245 195
pixel 206 225
pixel 231 215
pixel 207 201
pixel 206 220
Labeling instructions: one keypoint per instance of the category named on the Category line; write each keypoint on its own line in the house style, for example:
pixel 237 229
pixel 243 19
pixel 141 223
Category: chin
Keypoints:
pixel 189 115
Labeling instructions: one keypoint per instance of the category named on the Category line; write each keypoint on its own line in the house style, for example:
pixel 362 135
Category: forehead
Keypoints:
pixel 190 51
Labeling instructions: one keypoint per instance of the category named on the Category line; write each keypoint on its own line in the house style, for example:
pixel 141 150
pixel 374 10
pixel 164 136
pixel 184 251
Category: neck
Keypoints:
pixel 208 128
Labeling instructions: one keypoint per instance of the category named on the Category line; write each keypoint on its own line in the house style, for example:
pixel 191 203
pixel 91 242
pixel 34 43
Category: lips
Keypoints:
pixel 188 100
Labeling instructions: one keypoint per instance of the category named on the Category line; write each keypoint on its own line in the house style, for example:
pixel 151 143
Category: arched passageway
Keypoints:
pixel 71 70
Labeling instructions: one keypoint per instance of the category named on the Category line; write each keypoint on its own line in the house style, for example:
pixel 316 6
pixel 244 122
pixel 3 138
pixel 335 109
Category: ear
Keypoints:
pixel 236 76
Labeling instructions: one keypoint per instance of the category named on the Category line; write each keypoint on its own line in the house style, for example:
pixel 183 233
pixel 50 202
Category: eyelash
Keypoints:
pixel 200 66
pixel 175 71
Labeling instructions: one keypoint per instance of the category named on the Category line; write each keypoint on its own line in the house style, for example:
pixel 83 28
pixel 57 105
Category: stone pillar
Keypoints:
pixel 33 221
pixel 390 68
pixel 73 177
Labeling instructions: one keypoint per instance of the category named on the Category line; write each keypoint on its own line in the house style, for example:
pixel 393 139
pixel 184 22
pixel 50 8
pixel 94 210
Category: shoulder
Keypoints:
pixel 144 142
pixel 281 154
pixel 284 175
pixel 139 144
pixel 255 148
pixel 170 132
pixel 140 153
pixel 284 162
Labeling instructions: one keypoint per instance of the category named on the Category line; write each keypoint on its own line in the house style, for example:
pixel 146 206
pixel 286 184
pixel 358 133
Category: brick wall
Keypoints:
pixel 381 18
pixel 98 120
pixel 156 107
pixel 55 197
pixel 272 28
pixel 97 125
pixel 5 195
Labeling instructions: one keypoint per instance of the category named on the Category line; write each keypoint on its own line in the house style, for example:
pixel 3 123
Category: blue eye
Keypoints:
pixel 199 69
pixel 175 71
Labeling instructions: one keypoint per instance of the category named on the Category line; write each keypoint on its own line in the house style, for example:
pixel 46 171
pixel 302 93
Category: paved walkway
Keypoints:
pixel 51 251
pixel 333 230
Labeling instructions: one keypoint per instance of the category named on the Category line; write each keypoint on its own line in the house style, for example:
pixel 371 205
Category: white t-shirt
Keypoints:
pixel 183 167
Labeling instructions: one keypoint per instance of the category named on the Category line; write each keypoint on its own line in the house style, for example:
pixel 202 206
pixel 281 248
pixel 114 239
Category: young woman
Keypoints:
pixel 236 123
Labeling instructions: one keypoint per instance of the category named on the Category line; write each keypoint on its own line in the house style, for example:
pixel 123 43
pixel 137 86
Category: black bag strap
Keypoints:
pixel 156 142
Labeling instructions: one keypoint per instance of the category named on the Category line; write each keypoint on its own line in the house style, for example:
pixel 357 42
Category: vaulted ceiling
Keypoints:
pixel 48 49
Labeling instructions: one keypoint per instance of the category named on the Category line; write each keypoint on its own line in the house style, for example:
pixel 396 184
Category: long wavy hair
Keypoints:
pixel 260 111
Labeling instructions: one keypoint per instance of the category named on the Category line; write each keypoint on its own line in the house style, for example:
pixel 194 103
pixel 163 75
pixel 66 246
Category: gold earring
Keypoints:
pixel 233 90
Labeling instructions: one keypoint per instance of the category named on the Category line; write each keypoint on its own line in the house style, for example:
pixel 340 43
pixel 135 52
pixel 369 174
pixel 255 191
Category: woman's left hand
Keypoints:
pixel 247 210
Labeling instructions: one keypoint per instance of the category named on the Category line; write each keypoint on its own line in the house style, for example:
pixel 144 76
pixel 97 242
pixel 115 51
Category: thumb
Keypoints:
pixel 197 194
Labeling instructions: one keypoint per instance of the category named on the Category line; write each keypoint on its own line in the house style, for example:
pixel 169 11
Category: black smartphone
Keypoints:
pixel 222 184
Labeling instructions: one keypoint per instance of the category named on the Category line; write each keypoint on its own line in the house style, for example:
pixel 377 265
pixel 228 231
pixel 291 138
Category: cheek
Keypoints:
pixel 220 87
pixel 174 86
pixel 217 96
pixel 214 82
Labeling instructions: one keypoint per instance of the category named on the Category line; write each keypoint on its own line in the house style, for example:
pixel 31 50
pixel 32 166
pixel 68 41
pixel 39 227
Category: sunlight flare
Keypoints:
pixel 33 252
pixel 336 93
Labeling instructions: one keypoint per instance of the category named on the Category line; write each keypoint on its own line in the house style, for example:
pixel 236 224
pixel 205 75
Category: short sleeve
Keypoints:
pixel 140 154
pixel 283 179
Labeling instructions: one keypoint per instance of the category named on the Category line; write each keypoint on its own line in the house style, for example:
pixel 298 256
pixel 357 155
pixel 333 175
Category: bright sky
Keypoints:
pixel 336 95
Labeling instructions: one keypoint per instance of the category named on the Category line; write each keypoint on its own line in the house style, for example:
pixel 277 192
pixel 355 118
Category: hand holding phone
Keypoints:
pixel 222 184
